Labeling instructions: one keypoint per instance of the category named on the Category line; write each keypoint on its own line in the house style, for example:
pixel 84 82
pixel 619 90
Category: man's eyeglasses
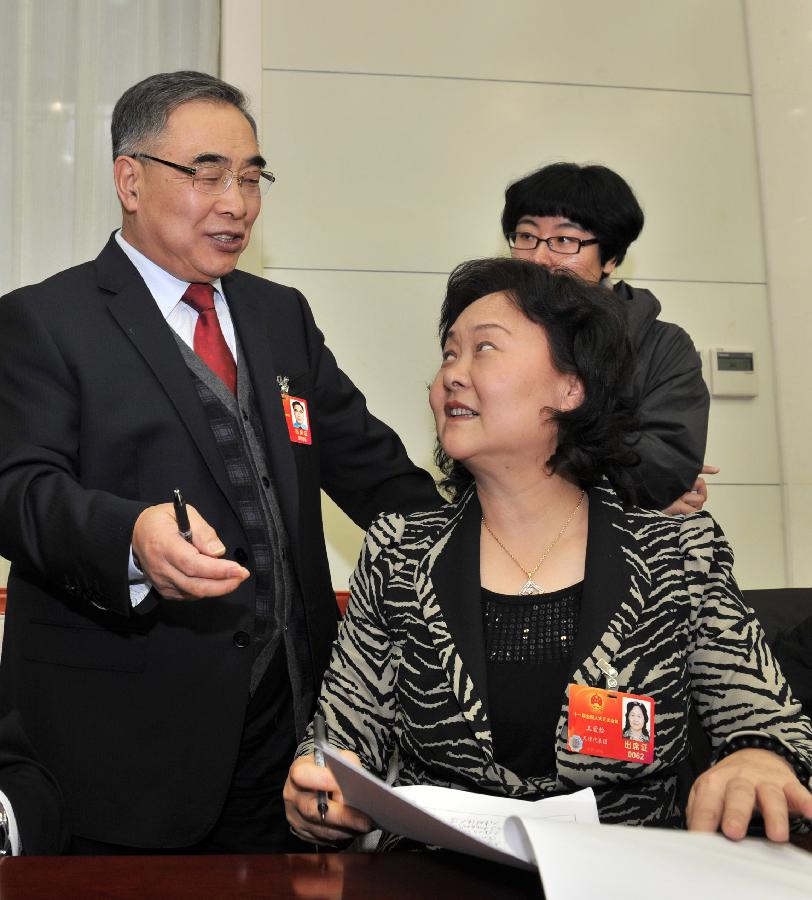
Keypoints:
pixel 558 243
pixel 217 179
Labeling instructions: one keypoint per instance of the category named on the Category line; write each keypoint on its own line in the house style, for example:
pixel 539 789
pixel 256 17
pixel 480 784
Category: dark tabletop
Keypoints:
pixel 394 876
pixel 337 876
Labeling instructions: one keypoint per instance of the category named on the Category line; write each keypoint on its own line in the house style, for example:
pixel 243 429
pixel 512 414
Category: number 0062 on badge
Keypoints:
pixel 611 724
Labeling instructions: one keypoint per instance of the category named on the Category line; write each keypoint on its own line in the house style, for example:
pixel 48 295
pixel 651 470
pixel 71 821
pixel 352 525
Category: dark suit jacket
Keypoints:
pixel 793 649
pixel 139 715
pixel 34 795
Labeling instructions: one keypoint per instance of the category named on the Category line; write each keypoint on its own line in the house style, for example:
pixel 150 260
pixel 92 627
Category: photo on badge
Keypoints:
pixel 298 414
pixel 297 419
pixel 636 716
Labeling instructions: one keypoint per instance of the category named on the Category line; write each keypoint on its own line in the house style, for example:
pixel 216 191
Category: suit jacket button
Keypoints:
pixel 242 639
pixel 240 556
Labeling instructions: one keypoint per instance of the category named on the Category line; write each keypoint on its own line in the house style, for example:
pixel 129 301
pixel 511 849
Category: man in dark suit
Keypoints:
pixel 164 681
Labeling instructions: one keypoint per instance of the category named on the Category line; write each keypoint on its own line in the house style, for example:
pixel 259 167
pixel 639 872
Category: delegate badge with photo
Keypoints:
pixel 610 723
pixel 297 418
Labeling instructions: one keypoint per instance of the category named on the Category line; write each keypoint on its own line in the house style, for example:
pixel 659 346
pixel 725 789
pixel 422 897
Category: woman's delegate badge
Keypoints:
pixel 610 724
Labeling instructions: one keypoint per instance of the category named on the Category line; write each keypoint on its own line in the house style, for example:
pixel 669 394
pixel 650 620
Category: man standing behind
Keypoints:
pixel 164 678
pixel 583 219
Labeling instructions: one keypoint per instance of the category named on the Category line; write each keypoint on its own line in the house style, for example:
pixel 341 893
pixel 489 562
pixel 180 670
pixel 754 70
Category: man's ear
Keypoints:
pixel 573 395
pixel 608 267
pixel 127 175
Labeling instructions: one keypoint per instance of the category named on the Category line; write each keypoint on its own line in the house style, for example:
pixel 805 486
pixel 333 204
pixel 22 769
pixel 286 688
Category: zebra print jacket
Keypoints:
pixel 406 681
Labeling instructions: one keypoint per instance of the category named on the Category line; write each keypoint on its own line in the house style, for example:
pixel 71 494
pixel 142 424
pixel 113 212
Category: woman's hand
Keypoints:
pixel 728 793
pixel 305 780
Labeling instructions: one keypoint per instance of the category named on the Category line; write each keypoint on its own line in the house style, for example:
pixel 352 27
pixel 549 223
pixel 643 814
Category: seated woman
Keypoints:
pixel 469 627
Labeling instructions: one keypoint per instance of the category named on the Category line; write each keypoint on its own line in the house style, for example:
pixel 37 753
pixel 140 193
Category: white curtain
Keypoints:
pixel 63 65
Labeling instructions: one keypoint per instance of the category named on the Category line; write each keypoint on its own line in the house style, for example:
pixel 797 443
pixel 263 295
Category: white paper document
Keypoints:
pixel 457 820
pixel 616 862
pixel 576 856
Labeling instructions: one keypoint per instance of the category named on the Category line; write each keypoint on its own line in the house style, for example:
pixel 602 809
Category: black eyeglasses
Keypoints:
pixel 558 243
pixel 211 179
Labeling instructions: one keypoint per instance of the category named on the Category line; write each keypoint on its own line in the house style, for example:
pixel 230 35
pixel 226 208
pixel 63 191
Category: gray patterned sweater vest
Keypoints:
pixel 279 621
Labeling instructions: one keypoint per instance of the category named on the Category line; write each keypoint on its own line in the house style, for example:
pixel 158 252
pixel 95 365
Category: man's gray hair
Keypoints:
pixel 142 110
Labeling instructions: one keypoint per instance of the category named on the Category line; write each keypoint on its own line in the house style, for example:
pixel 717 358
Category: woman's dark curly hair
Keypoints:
pixel 587 333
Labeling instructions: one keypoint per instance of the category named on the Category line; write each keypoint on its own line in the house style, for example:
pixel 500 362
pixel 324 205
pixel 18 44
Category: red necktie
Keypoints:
pixel 210 345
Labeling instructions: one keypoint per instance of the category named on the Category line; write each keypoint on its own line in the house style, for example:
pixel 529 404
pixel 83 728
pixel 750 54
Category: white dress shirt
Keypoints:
pixel 167 292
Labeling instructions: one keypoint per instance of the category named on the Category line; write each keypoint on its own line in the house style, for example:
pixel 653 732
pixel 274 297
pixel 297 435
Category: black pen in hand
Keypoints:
pixel 181 516
pixel 319 740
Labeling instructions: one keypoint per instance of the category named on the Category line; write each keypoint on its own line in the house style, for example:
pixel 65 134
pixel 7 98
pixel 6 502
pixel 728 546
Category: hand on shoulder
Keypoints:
pixel 692 501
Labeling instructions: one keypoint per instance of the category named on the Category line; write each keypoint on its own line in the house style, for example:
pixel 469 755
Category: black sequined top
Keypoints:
pixel 528 648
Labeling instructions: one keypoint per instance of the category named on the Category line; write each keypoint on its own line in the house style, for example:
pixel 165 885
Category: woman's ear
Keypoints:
pixel 573 395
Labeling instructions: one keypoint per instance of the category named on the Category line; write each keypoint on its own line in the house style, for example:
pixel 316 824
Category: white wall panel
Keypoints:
pixel 752 518
pixel 785 130
pixel 742 434
pixel 409 173
pixel 690 45
pixel 780 38
pixel 782 64
pixel 343 539
pixel 241 64
pixel 798 507
pixel 382 328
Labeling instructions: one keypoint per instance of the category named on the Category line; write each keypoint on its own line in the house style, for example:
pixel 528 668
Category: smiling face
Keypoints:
pixel 585 264
pixel 492 394
pixel 194 236
pixel 637 720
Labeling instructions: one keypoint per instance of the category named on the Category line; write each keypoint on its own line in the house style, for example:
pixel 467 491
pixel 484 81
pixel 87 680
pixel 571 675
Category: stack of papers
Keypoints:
pixel 576 856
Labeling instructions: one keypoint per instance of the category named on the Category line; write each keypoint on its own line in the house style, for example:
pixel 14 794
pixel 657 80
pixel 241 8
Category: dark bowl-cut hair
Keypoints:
pixel 587 333
pixel 594 197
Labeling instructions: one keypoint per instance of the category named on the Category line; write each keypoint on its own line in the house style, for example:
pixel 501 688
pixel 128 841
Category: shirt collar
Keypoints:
pixel 166 289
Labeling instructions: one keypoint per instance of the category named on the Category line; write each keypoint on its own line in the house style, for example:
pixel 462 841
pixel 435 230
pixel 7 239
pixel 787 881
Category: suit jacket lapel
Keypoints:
pixel 610 579
pixel 454 612
pixel 136 312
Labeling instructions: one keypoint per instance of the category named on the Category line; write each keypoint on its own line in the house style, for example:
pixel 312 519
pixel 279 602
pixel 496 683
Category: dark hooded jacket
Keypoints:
pixel 674 402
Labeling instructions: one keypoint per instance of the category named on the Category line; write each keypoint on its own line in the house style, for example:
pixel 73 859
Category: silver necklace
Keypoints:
pixel 530 586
